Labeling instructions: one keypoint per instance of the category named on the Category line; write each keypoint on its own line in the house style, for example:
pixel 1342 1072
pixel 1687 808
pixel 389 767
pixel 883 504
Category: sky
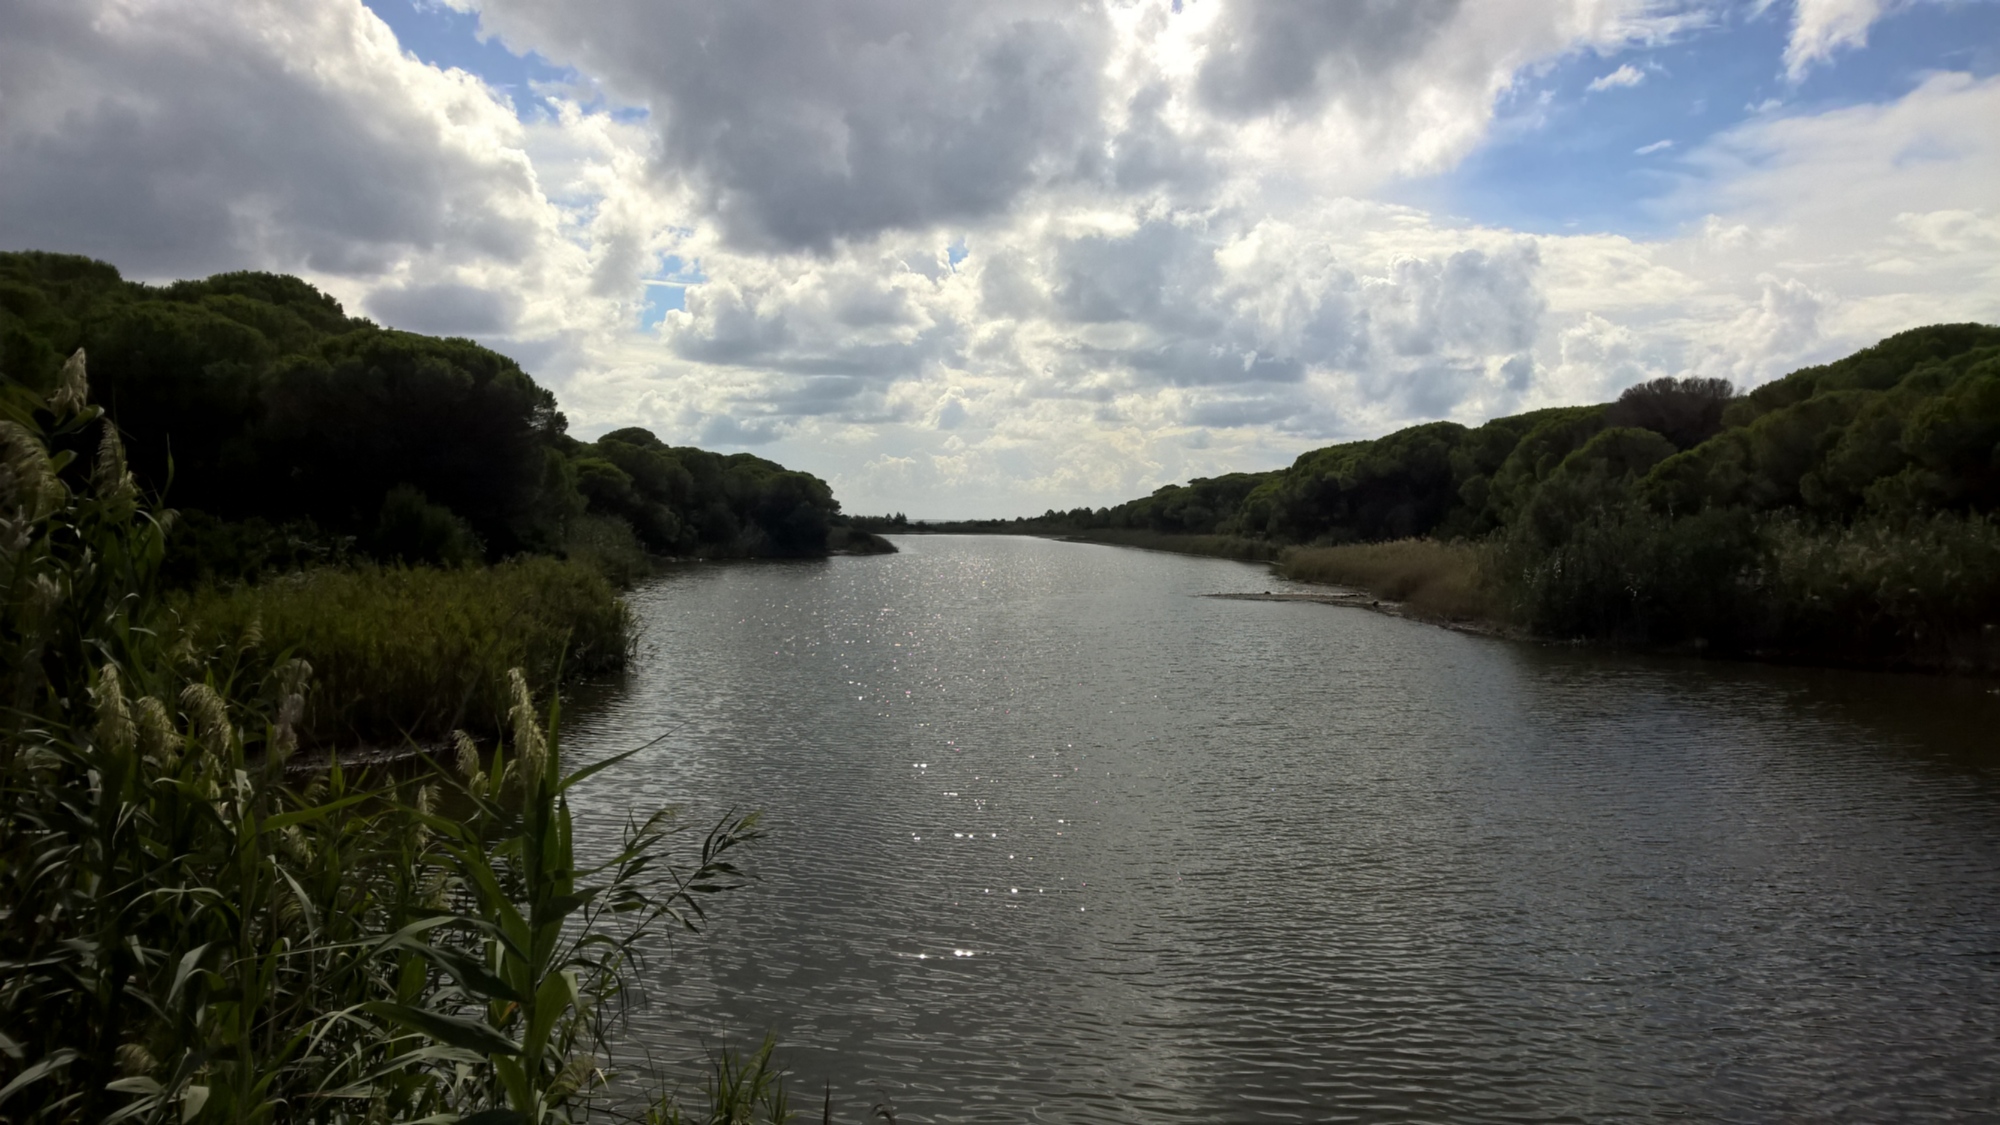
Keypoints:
pixel 965 259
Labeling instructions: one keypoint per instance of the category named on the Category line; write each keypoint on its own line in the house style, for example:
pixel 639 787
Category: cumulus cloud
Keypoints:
pixel 1266 55
pixel 180 138
pixel 1023 256
pixel 804 125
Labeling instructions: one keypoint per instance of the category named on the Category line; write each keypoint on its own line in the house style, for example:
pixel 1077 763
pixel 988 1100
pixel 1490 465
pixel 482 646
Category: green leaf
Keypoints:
pixel 189 962
pixel 37 1072
pixel 472 1035
pixel 316 812
pixel 470 972
pixel 585 773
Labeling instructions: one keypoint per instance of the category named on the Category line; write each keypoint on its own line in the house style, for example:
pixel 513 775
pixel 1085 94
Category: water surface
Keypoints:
pixel 1053 838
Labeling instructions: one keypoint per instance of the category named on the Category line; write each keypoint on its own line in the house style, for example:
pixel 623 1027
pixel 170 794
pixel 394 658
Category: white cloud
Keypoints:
pixel 196 136
pixel 1168 259
pixel 1656 146
pixel 1822 27
pixel 800 126
pixel 1625 76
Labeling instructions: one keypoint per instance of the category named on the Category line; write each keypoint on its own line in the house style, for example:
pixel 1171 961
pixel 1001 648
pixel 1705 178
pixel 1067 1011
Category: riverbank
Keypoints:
pixel 1209 546
pixel 1909 598
pixel 1358 599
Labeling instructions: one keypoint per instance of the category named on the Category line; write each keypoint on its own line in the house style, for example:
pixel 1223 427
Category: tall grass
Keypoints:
pixel 1922 592
pixel 607 544
pixel 416 652
pixel 190 934
pixel 1213 546
pixel 1917 592
pixel 1438 580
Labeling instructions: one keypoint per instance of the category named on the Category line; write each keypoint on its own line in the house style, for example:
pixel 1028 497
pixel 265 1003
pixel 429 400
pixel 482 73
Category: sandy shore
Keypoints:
pixel 1363 600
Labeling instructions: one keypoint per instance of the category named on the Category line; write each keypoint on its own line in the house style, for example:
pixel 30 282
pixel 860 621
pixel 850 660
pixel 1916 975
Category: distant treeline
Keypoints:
pixel 286 433
pixel 1842 513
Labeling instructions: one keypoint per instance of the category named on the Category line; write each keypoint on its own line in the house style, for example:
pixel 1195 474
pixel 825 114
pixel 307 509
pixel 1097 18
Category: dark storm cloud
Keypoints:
pixel 180 141
pixel 803 124
pixel 1269 56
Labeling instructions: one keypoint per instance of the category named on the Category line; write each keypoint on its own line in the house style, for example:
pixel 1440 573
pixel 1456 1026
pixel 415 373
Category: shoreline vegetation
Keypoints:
pixel 1842 515
pixel 287 435
pixel 408 513
pixel 193 931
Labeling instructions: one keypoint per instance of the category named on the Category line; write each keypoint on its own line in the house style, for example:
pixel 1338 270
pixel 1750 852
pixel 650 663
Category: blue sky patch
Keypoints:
pixel 445 38
pixel 1596 144
pixel 667 290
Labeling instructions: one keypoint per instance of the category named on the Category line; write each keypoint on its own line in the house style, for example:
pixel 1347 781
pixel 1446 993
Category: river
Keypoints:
pixel 1054 838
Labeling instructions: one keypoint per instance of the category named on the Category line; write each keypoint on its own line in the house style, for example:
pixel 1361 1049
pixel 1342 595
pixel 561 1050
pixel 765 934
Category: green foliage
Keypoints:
pixel 193 930
pixel 1686 412
pixel 1921 592
pixel 740 1089
pixel 682 501
pixel 607 545
pixel 1204 506
pixel 254 399
pixel 414 530
pixel 1839 513
pixel 374 410
pixel 416 652
pixel 206 549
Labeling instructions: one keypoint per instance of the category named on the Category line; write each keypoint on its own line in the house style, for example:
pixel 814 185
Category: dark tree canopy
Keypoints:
pixel 287 431
pixel 1686 412
pixel 1911 425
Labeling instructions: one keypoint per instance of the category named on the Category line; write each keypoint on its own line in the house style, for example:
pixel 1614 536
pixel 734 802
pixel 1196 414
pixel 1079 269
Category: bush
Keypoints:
pixel 1921 593
pixel 413 530
pixel 1622 572
pixel 414 652
pixel 607 544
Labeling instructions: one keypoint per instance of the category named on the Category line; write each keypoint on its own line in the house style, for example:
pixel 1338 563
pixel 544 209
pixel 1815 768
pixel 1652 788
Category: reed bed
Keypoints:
pixel 416 652
pixel 1922 592
pixel 1438 580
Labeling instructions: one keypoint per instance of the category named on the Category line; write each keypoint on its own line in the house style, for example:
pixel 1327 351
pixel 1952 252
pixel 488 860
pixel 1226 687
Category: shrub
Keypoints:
pixel 607 544
pixel 1922 592
pixel 415 531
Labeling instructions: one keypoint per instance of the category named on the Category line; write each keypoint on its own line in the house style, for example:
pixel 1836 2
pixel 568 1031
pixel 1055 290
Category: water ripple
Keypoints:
pixel 1054 839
